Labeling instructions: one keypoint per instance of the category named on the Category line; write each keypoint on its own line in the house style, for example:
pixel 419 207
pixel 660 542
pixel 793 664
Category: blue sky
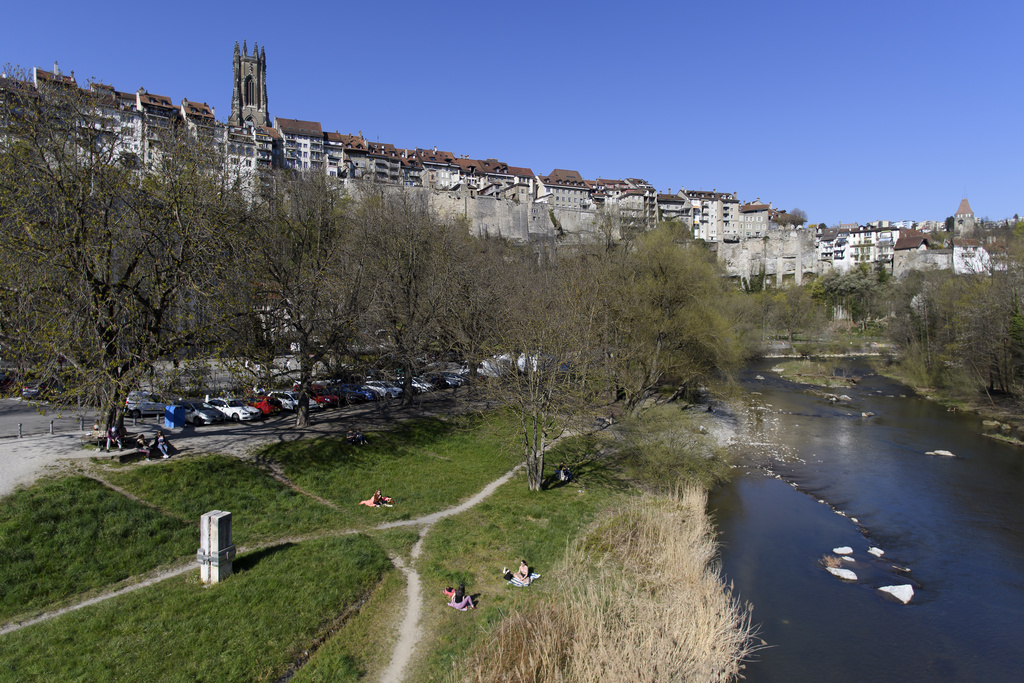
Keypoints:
pixel 850 111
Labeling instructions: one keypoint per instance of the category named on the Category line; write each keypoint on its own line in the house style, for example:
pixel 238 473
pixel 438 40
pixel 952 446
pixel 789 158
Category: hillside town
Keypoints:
pixel 516 202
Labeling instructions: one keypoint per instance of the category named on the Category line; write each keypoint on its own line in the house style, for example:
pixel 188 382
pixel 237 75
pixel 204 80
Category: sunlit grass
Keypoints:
pixel 425 466
pixel 260 507
pixel 251 627
pixel 66 536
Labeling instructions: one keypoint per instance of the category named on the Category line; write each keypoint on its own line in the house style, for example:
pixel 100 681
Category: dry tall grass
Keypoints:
pixel 640 599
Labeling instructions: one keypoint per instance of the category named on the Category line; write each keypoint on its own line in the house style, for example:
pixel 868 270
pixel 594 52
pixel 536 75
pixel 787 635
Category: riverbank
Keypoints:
pixel 1003 415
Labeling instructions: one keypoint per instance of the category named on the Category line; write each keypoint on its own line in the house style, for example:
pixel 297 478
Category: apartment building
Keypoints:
pixel 715 214
pixel 756 219
pixel 303 143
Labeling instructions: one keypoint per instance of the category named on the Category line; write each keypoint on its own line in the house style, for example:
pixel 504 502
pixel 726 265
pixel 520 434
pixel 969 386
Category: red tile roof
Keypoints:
pixel 297 127
pixel 965 208
pixel 911 239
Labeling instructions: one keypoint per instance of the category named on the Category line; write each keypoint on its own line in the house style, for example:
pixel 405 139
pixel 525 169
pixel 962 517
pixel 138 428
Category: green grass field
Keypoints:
pixel 315 589
pixel 251 627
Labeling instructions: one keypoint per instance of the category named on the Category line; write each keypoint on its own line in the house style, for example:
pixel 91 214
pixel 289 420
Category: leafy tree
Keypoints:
pixel 112 266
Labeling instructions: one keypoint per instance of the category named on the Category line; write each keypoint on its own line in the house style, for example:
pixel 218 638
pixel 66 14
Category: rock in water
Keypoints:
pixel 877 552
pixel 759 378
pixel 902 593
pixel 846 574
pixel 943 453
pixel 844 550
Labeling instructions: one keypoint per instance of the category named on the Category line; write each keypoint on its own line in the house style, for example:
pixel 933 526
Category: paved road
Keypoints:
pixel 35 417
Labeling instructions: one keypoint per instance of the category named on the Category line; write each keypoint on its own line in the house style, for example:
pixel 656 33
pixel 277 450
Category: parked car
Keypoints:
pixel 200 413
pixel 289 399
pixel 386 388
pixel 235 409
pixel 318 401
pixel 455 379
pixel 421 385
pixel 330 398
pixel 353 393
pixel 34 391
pixel 266 404
pixel 141 403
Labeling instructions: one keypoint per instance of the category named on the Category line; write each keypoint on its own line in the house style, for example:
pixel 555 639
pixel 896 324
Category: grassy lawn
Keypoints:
pixel 338 598
pixel 425 466
pixel 474 546
pixel 251 627
pixel 261 508
pixel 63 537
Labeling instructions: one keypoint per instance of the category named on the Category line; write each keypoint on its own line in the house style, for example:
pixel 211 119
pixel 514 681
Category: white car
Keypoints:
pixel 289 399
pixel 235 409
pixel 383 388
pixel 141 403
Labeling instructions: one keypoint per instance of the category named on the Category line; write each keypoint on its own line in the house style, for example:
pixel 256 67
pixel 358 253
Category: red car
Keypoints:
pixel 266 404
pixel 321 395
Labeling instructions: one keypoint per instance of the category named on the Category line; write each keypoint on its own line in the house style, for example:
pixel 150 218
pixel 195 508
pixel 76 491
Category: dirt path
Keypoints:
pixel 410 631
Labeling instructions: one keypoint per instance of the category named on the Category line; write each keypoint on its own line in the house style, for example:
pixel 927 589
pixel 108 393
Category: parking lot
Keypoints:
pixel 22 460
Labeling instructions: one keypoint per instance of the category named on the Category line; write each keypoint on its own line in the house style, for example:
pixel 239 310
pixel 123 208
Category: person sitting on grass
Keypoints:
pixel 355 438
pixel 376 500
pixel 522 576
pixel 564 473
pixel 460 600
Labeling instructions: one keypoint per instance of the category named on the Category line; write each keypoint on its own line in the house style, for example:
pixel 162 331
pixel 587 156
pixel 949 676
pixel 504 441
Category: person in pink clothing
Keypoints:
pixel 460 600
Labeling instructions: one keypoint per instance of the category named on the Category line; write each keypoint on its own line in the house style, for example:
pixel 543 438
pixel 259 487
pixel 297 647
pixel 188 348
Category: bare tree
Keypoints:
pixel 409 257
pixel 302 280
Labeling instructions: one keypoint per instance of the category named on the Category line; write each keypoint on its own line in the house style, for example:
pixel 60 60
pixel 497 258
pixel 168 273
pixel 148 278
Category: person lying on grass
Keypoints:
pixel 460 600
pixel 376 500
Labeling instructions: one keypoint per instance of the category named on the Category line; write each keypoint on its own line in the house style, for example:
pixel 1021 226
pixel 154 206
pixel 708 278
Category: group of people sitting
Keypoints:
pixel 563 473
pixel 160 444
pixel 377 499
pixel 355 437
pixel 462 601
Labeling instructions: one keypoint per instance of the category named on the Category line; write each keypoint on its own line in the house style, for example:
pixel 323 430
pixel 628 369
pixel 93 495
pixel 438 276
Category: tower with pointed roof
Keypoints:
pixel 964 218
pixel 249 97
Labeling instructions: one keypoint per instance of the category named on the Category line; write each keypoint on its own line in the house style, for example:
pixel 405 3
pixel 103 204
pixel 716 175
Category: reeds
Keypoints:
pixel 640 598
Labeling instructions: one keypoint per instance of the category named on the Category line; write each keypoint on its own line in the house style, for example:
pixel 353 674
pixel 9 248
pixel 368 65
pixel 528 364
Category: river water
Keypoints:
pixel 815 475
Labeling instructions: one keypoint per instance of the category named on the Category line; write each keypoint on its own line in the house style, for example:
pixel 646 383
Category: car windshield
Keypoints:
pixel 236 403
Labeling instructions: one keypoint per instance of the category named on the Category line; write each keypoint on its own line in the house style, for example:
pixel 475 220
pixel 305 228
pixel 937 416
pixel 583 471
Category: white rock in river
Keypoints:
pixel 848 558
pixel 844 550
pixel 877 552
pixel 759 378
pixel 902 593
pixel 844 574
pixel 944 453
pixel 844 397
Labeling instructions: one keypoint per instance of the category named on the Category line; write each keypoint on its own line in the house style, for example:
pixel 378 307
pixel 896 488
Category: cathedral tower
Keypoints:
pixel 249 98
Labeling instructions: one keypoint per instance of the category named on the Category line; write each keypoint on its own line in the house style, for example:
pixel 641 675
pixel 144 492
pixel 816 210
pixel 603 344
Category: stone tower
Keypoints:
pixel 964 219
pixel 249 98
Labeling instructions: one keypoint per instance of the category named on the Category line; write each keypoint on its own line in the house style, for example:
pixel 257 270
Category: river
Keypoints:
pixel 815 475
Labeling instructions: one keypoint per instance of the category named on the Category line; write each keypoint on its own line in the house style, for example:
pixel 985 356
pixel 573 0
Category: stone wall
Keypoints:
pixel 931 259
pixel 784 256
